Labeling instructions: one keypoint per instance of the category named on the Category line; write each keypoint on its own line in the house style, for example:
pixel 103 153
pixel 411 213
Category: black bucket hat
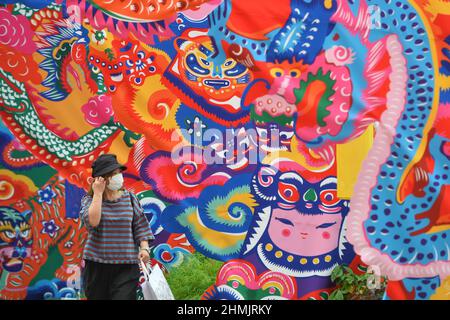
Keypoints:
pixel 104 164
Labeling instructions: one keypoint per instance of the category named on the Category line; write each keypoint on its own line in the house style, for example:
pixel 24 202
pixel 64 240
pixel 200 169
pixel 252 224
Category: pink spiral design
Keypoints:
pixel 339 55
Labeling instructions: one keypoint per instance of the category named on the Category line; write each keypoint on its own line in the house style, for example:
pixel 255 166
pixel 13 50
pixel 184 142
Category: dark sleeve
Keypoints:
pixel 84 211
pixel 141 226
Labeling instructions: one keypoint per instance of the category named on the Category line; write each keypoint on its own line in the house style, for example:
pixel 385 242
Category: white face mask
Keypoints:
pixel 115 182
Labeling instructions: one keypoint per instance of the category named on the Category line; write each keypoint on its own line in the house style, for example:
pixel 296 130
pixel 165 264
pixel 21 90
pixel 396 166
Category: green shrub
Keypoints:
pixel 196 274
pixel 351 286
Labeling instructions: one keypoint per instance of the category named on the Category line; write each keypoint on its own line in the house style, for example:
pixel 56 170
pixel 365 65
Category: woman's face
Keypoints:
pixel 304 234
pixel 112 174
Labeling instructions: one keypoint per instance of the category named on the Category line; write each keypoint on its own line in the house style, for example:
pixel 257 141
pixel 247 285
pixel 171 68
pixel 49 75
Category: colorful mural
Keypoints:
pixel 229 115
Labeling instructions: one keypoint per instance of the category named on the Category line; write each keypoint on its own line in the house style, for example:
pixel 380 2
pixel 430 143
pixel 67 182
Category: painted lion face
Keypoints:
pixel 220 83
pixel 213 90
pixel 15 238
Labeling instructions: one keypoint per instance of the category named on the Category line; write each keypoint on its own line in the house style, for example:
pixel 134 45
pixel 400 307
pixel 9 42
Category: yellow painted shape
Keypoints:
pixel 17 177
pixel 120 148
pixel 349 159
pixel 440 228
pixel 295 156
pixel 140 103
pixel 222 210
pixel 443 292
pixel 436 7
pixel 215 238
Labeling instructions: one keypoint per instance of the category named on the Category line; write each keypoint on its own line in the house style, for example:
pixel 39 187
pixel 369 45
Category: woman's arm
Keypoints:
pixel 144 251
pixel 95 209
pixel 143 244
pixel 141 229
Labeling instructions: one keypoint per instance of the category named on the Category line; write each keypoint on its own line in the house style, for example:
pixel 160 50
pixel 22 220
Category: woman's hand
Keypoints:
pixel 99 184
pixel 144 255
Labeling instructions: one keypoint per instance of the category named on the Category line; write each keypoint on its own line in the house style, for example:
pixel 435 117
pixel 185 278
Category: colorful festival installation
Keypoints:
pixel 170 85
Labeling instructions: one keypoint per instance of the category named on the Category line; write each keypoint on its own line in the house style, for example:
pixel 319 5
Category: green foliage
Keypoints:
pixel 110 54
pixel 351 286
pixel 196 274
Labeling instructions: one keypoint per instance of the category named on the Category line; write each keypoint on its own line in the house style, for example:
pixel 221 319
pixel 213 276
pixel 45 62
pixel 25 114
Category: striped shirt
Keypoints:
pixel 121 229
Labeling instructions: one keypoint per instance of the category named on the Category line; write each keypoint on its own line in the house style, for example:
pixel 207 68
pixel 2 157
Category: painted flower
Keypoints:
pixel 46 195
pixel 340 56
pixel 16 32
pixel 50 228
pixel 37 257
pixel 98 110
pixel 99 37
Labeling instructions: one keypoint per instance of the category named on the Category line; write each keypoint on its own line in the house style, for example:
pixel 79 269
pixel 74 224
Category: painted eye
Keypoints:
pixel 329 197
pixel 294 73
pixel 195 66
pixel 228 63
pixel 276 72
pixel 326 225
pixel 288 192
pixel 10 234
pixel 129 63
pixel 152 69
pixel 141 55
pixel 236 70
pixel 25 233
pixel 205 62
pixel 285 221
pixel 137 80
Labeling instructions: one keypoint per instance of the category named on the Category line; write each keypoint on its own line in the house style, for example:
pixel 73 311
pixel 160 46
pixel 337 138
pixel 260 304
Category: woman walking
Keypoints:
pixel 118 234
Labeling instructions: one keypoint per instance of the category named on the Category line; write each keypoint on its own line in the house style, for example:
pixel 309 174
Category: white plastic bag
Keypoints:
pixel 155 286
